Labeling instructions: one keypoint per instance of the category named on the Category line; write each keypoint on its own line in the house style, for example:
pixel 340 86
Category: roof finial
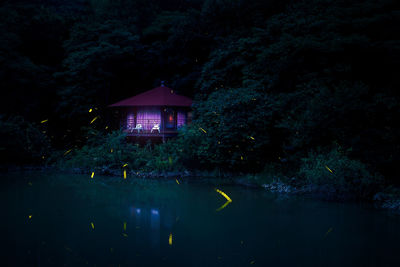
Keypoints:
pixel 162 83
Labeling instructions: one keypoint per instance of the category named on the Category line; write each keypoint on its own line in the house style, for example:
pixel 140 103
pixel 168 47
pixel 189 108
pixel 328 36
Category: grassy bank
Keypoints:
pixel 324 173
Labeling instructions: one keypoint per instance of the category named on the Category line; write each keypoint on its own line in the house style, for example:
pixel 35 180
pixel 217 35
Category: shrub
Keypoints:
pixel 104 150
pixel 112 151
pixel 335 169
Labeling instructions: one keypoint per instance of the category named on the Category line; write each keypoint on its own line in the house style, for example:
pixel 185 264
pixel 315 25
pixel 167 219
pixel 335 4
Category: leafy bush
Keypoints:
pixel 109 150
pixel 112 151
pixel 335 169
pixel 238 123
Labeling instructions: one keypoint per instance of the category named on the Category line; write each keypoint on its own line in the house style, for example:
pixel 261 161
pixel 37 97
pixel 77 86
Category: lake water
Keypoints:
pixel 73 220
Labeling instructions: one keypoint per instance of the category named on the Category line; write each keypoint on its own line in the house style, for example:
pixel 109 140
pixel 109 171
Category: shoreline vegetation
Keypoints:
pixel 389 199
pixel 328 174
pixel 386 199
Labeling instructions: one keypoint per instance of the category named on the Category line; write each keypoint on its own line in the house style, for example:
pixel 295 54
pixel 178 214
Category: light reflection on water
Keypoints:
pixel 133 221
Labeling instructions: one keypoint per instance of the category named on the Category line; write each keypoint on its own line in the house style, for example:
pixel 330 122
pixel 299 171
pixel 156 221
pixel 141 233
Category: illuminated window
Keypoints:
pixel 130 122
pixel 170 119
pixel 148 117
pixel 181 118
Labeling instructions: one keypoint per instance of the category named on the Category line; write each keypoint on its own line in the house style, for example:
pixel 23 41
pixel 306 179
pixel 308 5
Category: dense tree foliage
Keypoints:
pixel 272 80
pixel 22 142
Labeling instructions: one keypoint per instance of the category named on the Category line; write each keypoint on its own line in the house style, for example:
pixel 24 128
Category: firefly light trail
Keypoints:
pixel 228 199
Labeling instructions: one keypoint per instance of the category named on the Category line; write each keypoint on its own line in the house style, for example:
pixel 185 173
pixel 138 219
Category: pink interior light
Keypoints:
pixel 181 119
pixel 148 117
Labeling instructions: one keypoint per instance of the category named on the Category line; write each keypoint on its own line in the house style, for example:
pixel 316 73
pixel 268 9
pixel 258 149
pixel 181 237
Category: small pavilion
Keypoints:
pixel 157 113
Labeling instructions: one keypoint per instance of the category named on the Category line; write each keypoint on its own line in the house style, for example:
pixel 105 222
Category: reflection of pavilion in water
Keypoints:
pixel 149 220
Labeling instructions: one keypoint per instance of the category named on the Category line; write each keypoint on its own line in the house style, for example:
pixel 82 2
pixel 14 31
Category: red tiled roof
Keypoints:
pixel 160 96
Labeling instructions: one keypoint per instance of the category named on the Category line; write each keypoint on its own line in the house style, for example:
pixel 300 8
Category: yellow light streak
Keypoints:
pixel 92 224
pixel 328 169
pixel 224 195
pixel 90 110
pixel 126 164
pixel 91 176
pixel 252 138
pixel 203 130
pixel 176 180
pixel 30 216
pixel 95 118
pixel 124 174
pixel 170 239
pixel 43 121
pixel 112 150
pixel 124 226
pixel 224 205
pixel 66 152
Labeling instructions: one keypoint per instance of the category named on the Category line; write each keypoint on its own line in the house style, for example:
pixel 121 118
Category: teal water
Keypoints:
pixel 133 220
